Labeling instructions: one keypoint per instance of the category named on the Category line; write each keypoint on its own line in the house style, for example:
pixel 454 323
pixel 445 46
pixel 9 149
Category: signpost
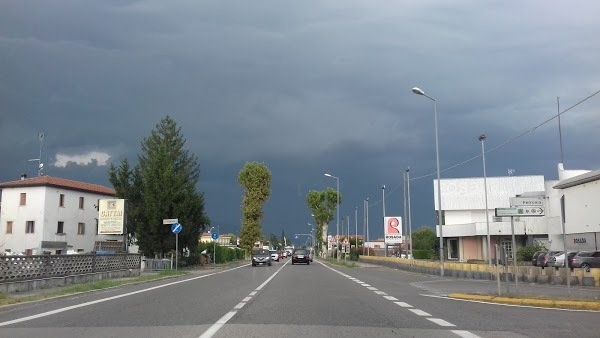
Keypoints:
pixel 520 207
pixel 176 229
pixel 170 221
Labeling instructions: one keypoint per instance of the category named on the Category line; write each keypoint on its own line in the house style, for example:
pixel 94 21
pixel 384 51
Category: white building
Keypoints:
pixel 51 215
pixel 581 213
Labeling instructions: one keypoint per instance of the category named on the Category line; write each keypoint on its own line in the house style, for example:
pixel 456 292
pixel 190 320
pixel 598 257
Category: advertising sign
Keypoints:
pixel 111 217
pixel 393 230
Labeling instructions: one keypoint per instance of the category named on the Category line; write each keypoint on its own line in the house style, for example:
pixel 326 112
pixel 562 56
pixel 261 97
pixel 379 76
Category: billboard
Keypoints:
pixel 392 230
pixel 111 217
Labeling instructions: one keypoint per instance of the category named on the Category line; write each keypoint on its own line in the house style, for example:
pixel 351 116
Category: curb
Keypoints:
pixel 560 304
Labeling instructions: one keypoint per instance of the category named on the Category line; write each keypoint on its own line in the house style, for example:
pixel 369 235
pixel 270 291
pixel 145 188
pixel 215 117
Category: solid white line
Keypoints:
pixel 440 322
pixel 49 313
pixel 272 276
pixel 465 334
pixel 246 299
pixel 240 305
pixel 216 326
pixel 252 293
pixel 372 288
pixel 403 304
pixel 419 312
pixel 380 293
pixel 513 305
pixel 390 297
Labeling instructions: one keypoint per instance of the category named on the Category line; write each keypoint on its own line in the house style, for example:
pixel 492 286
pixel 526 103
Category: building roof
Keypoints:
pixel 49 181
pixel 580 179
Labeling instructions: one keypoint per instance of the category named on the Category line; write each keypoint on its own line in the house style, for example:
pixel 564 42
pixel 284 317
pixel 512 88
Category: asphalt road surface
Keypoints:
pixel 285 300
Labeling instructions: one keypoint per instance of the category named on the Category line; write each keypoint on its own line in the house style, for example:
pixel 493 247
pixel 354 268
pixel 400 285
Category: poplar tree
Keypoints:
pixel 255 178
pixel 322 205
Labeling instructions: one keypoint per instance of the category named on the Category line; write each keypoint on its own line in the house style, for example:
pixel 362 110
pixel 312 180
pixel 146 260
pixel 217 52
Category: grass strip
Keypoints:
pixel 8 299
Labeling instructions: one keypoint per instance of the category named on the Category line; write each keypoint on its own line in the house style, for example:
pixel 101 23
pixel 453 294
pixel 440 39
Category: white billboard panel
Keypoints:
pixel 111 217
pixel 393 230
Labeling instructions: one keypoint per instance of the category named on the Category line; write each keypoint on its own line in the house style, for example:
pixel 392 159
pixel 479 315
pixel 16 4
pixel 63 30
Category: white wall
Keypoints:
pixel 582 208
pixel 19 241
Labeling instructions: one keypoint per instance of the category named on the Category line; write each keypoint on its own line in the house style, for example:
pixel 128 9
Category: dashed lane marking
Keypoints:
pixel 440 322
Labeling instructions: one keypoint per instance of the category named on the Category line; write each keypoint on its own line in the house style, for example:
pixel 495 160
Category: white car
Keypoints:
pixel 274 255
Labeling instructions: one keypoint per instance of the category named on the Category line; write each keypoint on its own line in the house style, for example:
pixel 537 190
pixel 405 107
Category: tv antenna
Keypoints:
pixel 41 136
pixel 511 172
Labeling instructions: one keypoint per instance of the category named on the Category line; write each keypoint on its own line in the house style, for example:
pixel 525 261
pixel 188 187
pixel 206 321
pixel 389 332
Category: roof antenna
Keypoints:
pixel 511 172
pixel 41 136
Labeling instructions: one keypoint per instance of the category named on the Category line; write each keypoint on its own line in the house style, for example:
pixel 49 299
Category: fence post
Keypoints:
pixel 94 262
pixel 47 266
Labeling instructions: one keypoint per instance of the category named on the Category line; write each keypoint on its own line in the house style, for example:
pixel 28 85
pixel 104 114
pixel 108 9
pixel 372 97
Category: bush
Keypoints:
pixel 423 254
pixel 354 254
pixel 525 253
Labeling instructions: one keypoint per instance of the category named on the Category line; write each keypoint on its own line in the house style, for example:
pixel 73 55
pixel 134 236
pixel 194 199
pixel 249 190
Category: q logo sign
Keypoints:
pixel 392 226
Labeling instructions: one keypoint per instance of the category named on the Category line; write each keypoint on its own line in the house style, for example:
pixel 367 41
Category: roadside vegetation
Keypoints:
pixel 16 298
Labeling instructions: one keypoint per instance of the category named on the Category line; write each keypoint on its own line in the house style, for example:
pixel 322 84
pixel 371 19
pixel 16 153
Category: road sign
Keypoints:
pixel 527 201
pixel 214 235
pixel 170 221
pixel 176 228
pixel 520 211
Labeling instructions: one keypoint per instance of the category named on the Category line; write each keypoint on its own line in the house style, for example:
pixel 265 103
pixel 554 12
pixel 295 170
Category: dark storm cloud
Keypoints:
pixel 307 87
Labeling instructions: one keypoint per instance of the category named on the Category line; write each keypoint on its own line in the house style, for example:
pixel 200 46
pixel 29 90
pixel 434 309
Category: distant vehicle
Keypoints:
pixel 543 258
pixel 289 250
pixel 260 257
pixel 300 256
pixel 311 254
pixel 281 255
pixel 534 258
pixel 559 260
pixel 274 255
pixel 585 260
pixel 551 258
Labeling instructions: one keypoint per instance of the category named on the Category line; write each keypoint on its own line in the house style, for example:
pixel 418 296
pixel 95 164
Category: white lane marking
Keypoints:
pixel 440 322
pixel 514 305
pixel 67 308
pixel 390 297
pixel 246 299
pixel 359 281
pixel 419 312
pixel 372 288
pixel 216 326
pixel 365 284
pixel 252 293
pixel 465 334
pixel 403 304
pixel 381 293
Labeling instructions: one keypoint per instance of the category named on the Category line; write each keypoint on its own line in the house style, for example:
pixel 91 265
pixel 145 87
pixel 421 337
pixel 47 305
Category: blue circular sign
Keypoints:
pixel 176 228
pixel 215 235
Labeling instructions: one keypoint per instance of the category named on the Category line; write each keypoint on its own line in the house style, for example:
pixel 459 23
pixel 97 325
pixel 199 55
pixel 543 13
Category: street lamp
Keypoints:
pixel 418 91
pixel 487 219
pixel 337 221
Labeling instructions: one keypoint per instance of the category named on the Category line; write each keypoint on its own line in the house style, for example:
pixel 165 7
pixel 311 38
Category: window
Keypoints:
pixel 7 250
pixel 30 227
pixel 453 249
pixel 61 200
pixel 497 219
pixel 80 251
pixel 81 202
pixel 81 228
pixel 9 227
pixel 23 199
pixel 60 229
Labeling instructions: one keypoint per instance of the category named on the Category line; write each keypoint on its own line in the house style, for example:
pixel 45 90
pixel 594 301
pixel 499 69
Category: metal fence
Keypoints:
pixel 158 264
pixel 20 268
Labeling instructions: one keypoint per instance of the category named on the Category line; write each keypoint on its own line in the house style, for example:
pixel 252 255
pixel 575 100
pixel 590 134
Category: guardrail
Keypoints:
pixel 23 268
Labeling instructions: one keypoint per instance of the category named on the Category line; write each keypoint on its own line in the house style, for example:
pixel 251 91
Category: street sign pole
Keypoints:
pixel 514 253
pixel 176 249
pixel 497 271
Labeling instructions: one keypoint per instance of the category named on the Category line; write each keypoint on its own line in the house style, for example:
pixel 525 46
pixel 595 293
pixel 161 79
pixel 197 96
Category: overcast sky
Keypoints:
pixel 307 87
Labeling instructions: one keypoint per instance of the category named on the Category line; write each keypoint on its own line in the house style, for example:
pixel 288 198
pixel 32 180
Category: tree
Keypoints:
pixel 274 241
pixel 255 178
pixel 283 240
pixel 424 239
pixel 525 253
pixel 162 185
pixel 322 205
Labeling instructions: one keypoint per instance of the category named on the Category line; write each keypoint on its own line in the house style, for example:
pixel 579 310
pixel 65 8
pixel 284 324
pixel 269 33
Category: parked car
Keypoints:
pixel 551 258
pixel 558 260
pixel 586 260
pixel 274 255
pixel 300 256
pixel 260 257
pixel 534 258
pixel 543 258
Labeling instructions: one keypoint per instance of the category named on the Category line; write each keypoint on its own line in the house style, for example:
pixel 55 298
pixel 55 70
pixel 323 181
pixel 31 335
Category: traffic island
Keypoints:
pixel 531 301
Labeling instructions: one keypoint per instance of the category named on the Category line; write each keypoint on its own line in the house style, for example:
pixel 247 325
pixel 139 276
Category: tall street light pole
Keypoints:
pixel 337 221
pixel 383 204
pixel 355 230
pixel 409 214
pixel 367 218
pixel 418 91
pixel 487 219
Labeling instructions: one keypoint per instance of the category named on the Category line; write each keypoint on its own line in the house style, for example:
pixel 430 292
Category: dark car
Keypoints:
pixel 300 256
pixel 534 258
pixel 261 256
pixel 586 260
pixel 543 258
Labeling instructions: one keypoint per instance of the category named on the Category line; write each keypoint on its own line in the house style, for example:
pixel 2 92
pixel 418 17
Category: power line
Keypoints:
pixel 494 148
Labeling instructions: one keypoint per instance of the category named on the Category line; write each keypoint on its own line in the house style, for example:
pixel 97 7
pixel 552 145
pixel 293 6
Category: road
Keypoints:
pixel 318 300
